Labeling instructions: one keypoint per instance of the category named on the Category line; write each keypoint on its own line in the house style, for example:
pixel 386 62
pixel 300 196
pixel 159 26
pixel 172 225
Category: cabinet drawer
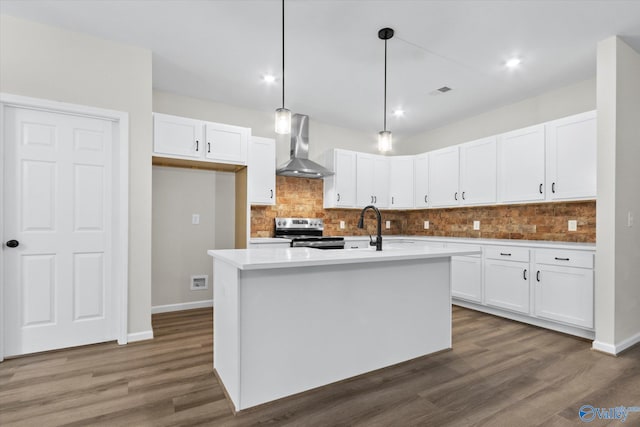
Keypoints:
pixel 507 253
pixel 564 258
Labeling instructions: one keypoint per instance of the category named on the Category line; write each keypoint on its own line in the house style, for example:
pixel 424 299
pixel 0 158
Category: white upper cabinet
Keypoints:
pixel 226 143
pixel 262 171
pixel 444 177
pixel 571 145
pixel 401 182
pixel 421 180
pixel 340 188
pixel 177 136
pixel 478 172
pixel 372 180
pixel 185 138
pixel 521 169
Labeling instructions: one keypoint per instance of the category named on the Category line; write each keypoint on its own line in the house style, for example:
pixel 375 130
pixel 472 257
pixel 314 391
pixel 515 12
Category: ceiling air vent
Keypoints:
pixel 443 89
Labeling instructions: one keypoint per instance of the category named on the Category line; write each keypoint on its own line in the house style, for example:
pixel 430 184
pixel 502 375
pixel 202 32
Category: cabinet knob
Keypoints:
pixel 13 244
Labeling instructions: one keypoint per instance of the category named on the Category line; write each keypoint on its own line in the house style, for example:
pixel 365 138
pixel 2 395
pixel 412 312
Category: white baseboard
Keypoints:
pixel 140 336
pixel 182 306
pixel 615 349
pixel 604 347
pixel 629 342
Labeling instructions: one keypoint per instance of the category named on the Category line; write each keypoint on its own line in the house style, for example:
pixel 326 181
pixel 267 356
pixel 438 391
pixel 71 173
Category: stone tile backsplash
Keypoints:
pixel 301 197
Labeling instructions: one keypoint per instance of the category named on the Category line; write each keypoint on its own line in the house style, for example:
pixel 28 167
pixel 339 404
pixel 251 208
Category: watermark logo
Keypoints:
pixel 588 413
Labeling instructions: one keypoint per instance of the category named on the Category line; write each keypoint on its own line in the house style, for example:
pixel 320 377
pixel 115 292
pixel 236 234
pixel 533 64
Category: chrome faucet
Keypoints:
pixel 378 242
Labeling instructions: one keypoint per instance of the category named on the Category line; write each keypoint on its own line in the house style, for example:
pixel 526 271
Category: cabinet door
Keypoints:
pixel 564 294
pixel 571 157
pixel 340 188
pixel 262 171
pixel 478 172
pixel 506 285
pixel 381 181
pixel 401 182
pixel 521 165
pixel 365 166
pixel 226 143
pixel 443 177
pixel 466 278
pixel 177 136
pixel 421 168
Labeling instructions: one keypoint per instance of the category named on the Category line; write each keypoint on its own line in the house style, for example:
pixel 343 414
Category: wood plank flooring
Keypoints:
pixel 500 373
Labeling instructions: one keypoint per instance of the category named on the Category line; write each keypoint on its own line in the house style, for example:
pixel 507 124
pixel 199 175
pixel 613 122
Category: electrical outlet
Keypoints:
pixel 341 225
pixel 573 225
pixel 426 225
pixel 195 219
pixel 199 282
pixel 476 225
pixel 388 224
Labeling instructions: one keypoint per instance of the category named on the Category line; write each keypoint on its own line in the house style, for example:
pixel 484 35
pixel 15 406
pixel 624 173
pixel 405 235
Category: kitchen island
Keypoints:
pixel 288 320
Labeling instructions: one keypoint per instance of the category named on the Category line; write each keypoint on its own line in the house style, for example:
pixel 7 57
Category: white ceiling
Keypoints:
pixel 218 50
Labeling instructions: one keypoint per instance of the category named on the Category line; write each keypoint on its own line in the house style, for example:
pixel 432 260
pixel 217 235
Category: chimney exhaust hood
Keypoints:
pixel 299 165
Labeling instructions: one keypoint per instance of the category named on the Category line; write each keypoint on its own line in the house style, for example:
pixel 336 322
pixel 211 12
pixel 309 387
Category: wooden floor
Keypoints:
pixel 500 373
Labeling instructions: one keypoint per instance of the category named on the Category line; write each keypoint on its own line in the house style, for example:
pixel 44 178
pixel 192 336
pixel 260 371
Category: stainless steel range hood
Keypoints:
pixel 299 165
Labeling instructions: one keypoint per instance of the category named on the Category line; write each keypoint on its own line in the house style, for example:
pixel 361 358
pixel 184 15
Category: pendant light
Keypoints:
pixel 384 137
pixel 283 116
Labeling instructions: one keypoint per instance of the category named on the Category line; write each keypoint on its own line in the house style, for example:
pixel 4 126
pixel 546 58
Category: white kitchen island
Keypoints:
pixel 291 319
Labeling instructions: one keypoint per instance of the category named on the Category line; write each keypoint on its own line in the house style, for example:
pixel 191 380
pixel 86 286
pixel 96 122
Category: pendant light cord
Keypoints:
pixel 385 85
pixel 282 53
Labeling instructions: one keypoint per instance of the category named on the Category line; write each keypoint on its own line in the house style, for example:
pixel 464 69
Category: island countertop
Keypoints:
pixel 260 259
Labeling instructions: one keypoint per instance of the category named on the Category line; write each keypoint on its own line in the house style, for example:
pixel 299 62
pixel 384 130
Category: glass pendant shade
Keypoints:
pixel 385 142
pixel 283 121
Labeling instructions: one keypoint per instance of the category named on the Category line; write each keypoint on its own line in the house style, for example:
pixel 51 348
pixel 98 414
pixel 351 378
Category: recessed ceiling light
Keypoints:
pixel 398 113
pixel 513 63
pixel 269 78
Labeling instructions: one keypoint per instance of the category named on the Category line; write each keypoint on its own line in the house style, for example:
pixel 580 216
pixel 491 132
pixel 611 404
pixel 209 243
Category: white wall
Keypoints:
pixel 574 99
pixel 321 135
pixel 180 247
pixel 618 245
pixel 46 62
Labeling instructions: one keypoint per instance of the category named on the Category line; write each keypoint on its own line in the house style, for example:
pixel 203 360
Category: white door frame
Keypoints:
pixel 120 189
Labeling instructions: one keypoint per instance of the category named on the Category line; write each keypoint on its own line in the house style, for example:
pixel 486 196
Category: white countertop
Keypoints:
pixel 259 240
pixel 258 259
pixel 463 240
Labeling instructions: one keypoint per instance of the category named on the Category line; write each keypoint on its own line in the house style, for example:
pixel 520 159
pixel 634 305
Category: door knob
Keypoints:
pixel 13 243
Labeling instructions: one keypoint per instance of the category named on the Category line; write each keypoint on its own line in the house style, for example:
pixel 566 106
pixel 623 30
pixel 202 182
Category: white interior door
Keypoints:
pixel 57 199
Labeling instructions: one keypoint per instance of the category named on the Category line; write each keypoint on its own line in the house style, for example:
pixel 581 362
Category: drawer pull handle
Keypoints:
pixel 538 275
pixel 562 259
pixel 524 274
pixel 338 196
pixel 455 196
pixel 197 144
pixel 540 189
pixel 425 198
pixel 553 187
pixel 504 254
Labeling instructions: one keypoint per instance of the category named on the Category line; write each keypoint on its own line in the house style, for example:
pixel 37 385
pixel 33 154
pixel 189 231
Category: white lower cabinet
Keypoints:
pixel 507 285
pixel 550 288
pixel 564 293
pixel 466 277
